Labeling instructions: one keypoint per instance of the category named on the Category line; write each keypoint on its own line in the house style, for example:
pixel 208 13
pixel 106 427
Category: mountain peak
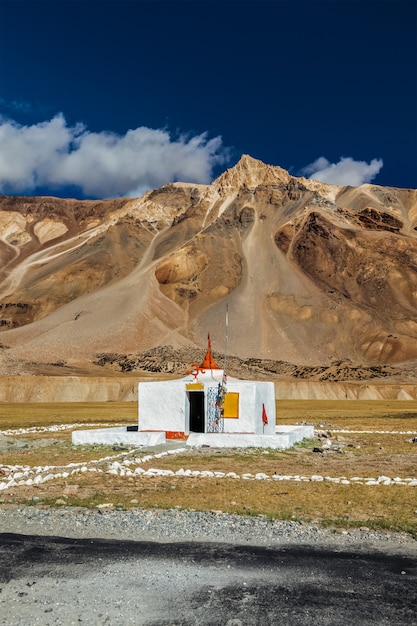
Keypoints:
pixel 250 172
pixel 246 160
pixel 298 261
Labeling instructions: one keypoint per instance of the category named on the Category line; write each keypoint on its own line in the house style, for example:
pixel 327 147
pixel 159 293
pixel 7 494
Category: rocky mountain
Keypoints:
pixel 319 280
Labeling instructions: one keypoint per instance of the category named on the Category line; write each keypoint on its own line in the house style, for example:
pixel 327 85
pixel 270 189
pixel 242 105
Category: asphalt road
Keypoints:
pixel 55 580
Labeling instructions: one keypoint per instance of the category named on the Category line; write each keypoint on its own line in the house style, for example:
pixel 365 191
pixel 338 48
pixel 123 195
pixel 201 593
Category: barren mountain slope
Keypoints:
pixel 312 274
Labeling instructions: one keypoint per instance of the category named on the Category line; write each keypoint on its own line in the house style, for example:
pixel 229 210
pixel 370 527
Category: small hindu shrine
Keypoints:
pixel 207 401
pixel 204 408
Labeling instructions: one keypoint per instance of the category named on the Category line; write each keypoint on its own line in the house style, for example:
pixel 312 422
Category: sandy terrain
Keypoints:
pixel 320 281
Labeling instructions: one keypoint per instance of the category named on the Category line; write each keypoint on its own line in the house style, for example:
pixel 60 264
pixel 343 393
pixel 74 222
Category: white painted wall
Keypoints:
pixel 164 405
pixel 265 393
pixel 251 396
pixel 246 421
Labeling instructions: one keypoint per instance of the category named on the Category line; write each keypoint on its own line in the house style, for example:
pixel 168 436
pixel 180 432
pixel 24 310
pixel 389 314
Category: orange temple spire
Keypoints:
pixel 209 363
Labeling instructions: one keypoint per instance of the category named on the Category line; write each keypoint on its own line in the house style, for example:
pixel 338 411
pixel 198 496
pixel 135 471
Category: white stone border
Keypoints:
pixel 50 429
pixel 21 475
pixel 15 476
pixel 61 427
pixel 367 432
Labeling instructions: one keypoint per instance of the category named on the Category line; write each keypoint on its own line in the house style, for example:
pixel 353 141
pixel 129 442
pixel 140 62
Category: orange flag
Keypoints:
pixel 264 415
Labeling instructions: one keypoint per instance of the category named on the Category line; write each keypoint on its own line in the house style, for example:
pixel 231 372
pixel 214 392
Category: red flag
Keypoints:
pixel 208 341
pixel 264 415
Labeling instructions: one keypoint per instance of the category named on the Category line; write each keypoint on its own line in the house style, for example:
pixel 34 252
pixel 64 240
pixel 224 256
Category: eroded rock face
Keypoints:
pixel 372 274
pixel 312 273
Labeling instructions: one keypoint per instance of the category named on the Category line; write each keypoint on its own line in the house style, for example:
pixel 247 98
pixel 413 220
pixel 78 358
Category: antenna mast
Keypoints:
pixel 227 338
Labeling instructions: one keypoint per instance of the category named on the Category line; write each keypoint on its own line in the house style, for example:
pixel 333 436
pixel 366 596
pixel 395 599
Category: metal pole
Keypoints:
pixel 227 338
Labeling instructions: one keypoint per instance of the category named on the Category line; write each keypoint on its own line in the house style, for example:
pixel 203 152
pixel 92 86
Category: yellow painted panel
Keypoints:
pixel 194 386
pixel 231 405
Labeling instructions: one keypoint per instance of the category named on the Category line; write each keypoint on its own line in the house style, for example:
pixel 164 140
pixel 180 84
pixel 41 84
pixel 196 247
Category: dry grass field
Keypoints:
pixel 382 445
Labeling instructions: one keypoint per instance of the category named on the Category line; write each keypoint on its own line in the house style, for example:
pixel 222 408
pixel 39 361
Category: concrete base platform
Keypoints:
pixel 285 437
pixel 119 435
pixel 295 433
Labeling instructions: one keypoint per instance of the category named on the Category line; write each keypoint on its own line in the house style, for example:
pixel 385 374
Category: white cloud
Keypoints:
pixel 346 172
pixel 53 154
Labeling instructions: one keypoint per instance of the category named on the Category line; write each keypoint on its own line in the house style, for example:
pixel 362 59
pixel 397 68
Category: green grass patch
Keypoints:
pixel 378 525
pixel 26 415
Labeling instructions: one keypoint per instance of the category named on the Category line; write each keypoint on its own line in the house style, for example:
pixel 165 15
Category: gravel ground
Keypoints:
pixel 173 568
pixel 175 525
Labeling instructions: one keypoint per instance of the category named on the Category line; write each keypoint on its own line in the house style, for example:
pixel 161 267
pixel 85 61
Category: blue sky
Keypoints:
pixel 104 99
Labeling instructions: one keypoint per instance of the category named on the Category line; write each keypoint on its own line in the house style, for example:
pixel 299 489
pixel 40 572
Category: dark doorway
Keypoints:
pixel 197 411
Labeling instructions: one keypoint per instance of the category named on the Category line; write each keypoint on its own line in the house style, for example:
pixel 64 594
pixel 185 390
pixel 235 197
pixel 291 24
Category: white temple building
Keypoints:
pixel 205 403
pixel 204 408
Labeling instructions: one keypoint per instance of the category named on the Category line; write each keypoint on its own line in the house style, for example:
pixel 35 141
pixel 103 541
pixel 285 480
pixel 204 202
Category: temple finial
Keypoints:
pixel 209 362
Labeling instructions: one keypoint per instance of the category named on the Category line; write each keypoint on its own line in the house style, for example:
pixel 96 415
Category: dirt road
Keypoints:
pixel 55 580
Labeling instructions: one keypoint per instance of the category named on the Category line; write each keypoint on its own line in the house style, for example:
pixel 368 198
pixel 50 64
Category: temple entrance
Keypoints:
pixel 197 411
